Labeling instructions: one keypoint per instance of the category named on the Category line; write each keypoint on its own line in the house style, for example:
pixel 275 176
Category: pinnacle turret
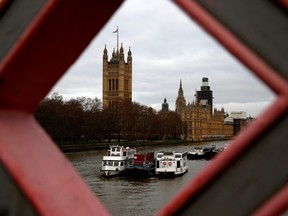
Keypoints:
pixel 180 91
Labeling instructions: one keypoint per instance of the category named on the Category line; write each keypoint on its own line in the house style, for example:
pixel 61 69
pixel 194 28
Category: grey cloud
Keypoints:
pixel 166 47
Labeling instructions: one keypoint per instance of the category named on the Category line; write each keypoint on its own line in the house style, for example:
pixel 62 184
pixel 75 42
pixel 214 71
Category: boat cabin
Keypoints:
pixel 171 162
pixel 120 151
pixel 117 160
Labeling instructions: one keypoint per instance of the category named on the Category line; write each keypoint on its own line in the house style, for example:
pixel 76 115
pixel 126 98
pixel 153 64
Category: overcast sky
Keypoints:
pixel 166 46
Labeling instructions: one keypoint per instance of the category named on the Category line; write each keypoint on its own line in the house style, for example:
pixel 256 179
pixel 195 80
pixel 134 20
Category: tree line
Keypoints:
pixel 83 119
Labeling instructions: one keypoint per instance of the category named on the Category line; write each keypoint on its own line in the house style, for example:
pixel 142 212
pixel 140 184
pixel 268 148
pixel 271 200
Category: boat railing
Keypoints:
pixel 144 162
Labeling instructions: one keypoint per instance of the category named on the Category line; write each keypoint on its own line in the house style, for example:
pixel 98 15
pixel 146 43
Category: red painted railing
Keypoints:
pixel 42 53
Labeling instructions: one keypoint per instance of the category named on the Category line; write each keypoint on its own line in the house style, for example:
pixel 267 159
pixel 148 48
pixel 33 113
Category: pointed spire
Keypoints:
pixel 129 52
pixel 105 56
pixel 113 54
pixel 180 101
pixel 129 57
pixel 180 91
pixel 121 55
pixel 105 49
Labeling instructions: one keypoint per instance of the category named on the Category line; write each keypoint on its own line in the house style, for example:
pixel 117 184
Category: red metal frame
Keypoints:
pixel 3 3
pixel 274 206
pixel 61 31
pixel 256 129
pixel 52 42
pixel 284 3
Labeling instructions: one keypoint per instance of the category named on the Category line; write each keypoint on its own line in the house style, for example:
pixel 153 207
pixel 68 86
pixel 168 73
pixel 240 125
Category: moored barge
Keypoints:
pixel 144 164
pixel 174 163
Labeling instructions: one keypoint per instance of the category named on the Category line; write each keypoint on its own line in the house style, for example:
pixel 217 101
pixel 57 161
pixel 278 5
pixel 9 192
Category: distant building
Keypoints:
pixel 117 78
pixel 239 115
pixel 239 120
pixel 180 101
pixel 165 105
pixel 205 95
pixel 198 120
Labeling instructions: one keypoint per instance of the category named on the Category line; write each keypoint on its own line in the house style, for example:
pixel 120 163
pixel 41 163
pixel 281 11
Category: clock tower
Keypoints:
pixel 205 95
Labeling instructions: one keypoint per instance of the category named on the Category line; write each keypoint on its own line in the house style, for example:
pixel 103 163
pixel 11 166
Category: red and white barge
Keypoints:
pixel 174 163
pixel 144 163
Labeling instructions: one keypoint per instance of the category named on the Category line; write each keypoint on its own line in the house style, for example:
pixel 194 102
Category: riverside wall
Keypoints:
pixel 77 147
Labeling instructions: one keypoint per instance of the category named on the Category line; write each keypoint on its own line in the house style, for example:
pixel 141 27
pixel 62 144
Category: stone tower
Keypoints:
pixel 117 78
pixel 180 101
pixel 205 95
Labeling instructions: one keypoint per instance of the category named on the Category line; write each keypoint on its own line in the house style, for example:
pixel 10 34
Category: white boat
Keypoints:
pixel 196 153
pixel 174 163
pixel 202 153
pixel 116 161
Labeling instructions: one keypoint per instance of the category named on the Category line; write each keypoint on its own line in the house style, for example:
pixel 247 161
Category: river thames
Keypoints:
pixel 126 195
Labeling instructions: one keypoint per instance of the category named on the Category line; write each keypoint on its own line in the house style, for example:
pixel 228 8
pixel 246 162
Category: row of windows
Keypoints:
pixel 114 86
pixel 113 163
pixel 113 105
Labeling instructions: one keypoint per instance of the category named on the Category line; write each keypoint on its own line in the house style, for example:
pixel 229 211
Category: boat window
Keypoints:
pixel 121 164
pixel 118 149
pixel 110 163
pixel 178 156
pixel 115 163
pixel 159 155
pixel 157 164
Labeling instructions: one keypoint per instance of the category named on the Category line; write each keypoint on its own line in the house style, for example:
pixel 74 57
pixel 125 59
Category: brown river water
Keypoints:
pixel 129 196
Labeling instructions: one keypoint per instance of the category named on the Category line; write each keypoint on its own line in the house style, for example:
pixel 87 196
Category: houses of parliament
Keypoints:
pixel 117 78
pixel 199 121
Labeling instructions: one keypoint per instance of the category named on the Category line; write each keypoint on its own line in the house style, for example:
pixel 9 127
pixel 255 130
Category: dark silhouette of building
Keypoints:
pixel 205 95
pixel 165 105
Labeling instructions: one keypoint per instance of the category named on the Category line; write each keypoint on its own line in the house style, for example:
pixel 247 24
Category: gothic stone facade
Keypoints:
pixel 117 78
pixel 199 122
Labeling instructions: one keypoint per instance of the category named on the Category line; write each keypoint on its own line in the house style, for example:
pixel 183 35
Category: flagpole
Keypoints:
pixel 117 39
pixel 116 31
